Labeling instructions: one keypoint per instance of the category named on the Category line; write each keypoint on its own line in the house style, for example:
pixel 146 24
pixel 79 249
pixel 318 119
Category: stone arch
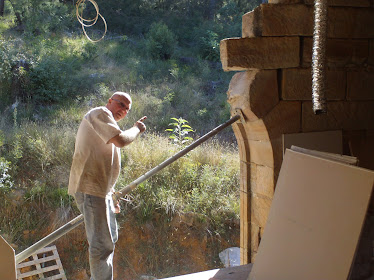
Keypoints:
pixel 255 93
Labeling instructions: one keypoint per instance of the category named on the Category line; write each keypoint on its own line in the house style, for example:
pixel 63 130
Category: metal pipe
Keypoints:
pixel 319 57
pixel 49 238
pixel 170 160
pixel 79 219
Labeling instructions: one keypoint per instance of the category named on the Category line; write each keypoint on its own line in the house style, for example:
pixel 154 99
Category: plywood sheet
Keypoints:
pixel 315 220
pixel 324 141
pixel 7 261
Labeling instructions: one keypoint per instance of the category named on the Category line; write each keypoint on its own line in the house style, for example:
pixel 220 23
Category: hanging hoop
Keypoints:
pixel 89 22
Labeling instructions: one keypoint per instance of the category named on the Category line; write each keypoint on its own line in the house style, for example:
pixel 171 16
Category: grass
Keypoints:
pixel 71 75
pixel 203 183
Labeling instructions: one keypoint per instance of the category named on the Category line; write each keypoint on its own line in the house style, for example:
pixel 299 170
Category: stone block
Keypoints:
pixel 278 20
pixel 339 52
pixel 255 238
pixel 248 90
pixel 265 183
pixel 360 85
pixel 253 176
pixel 245 221
pixel 345 22
pixel 285 1
pixel 239 54
pixel 284 118
pixel 245 176
pixel 261 152
pixel 344 3
pixel 245 256
pixel 260 206
pixel 298 20
pixel 296 84
pixel 340 115
pixel 371 52
pixel 267 153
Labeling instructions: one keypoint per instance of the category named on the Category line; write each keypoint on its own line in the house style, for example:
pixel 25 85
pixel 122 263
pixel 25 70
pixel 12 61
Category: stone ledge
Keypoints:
pixel 238 54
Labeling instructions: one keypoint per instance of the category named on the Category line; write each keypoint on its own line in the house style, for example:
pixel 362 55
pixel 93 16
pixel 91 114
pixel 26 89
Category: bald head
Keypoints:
pixel 119 104
pixel 122 94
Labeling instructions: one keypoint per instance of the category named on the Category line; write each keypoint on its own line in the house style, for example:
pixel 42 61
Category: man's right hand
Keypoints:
pixel 140 124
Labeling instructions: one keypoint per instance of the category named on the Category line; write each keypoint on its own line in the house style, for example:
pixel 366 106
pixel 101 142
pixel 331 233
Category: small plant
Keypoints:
pixel 180 131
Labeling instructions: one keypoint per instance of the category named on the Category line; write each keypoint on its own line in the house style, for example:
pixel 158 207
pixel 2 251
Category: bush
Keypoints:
pixel 160 41
pixel 209 46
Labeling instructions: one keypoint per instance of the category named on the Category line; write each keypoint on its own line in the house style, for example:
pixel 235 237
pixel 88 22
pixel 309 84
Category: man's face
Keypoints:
pixel 119 105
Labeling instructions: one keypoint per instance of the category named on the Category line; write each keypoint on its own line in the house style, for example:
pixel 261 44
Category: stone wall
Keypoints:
pixel 273 90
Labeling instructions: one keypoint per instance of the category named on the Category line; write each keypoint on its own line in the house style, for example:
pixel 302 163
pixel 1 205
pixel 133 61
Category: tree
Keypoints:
pixel 17 13
pixel 2 4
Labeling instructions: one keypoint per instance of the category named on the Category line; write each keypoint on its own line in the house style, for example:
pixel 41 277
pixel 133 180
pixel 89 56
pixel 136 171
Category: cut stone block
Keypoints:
pixel 260 209
pixel 347 3
pixel 239 54
pixel 371 52
pixel 284 118
pixel 278 20
pixel 297 84
pixel 343 3
pixel 339 52
pixel 360 85
pixel 249 89
pixel 298 20
pixel 340 115
pixel 345 22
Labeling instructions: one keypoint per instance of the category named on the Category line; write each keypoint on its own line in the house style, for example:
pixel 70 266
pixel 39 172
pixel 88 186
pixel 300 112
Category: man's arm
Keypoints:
pixel 129 135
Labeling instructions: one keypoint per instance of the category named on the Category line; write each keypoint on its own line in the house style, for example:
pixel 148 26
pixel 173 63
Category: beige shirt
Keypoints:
pixel 96 164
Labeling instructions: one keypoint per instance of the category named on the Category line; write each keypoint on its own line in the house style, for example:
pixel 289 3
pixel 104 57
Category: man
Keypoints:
pixel 94 172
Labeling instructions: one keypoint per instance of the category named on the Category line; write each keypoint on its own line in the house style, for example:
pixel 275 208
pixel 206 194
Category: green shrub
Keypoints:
pixel 40 17
pixel 160 41
pixel 209 46
pixel 52 80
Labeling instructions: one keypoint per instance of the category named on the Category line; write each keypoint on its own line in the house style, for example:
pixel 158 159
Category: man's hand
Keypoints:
pixel 139 124
pixel 117 208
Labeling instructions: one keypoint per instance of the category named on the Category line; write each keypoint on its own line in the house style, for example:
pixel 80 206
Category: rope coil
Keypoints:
pixel 89 22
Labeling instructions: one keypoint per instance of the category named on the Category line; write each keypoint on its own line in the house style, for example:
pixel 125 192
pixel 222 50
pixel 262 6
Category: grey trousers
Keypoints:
pixel 102 233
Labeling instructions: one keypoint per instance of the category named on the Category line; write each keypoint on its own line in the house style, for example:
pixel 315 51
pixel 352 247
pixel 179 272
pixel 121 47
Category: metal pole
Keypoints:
pixel 170 160
pixel 49 238
pixel 319 57
pixel 79 219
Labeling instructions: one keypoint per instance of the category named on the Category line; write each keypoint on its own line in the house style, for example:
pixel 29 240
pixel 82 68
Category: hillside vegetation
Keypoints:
pixel 166 55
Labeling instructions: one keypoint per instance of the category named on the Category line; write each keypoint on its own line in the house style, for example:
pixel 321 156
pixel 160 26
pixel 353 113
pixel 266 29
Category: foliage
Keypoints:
pixel 39 17
pixel 48 83
pixel 204 182
pixel 160 41
pixel 209 46
pixel 169 66
pixel 178 134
